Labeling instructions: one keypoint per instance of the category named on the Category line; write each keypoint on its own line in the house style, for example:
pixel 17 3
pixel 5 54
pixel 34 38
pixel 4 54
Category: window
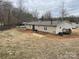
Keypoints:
pixel 45 28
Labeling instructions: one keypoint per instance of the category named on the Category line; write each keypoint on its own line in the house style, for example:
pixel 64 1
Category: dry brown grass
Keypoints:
pixel 15 44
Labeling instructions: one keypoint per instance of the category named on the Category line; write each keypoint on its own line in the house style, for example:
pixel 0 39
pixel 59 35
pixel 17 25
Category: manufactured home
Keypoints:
pixel 54 27
pixel 75 25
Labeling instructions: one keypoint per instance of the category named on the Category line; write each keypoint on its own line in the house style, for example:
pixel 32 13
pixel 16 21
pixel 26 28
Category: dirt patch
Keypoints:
pixel 74 35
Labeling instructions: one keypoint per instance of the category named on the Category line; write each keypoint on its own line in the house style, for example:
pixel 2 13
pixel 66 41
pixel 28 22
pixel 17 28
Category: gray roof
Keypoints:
pixel 43 23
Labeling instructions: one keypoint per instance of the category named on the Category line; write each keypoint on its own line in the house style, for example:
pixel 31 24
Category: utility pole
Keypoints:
pixel 62 12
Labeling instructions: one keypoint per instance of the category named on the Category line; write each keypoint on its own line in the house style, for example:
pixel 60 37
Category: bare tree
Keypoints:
pixel 7 9
pixel 47 15
pixel 20 4
pixel 63 11
pixel 1 17
pixel 35 15
pixel 6 14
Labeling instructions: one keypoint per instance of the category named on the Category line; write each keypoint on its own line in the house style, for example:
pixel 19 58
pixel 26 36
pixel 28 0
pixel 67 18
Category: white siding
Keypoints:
pixel 28 26
pixel 52 30
pixel 49 29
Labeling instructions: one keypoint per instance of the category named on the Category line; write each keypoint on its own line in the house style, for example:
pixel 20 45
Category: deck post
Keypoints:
pixel 33 27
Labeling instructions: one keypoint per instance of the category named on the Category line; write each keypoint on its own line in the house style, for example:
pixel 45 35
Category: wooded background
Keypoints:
pixel 11 16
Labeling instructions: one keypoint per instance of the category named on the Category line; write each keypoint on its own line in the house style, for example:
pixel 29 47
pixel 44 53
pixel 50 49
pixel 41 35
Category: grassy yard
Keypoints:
pixel 16 44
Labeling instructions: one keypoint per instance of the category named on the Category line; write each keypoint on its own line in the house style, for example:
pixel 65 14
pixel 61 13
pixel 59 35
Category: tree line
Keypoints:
pixel 68 18
pixel 11 16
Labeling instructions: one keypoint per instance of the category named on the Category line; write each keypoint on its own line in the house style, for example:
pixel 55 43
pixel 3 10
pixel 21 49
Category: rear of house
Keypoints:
pixel 54 27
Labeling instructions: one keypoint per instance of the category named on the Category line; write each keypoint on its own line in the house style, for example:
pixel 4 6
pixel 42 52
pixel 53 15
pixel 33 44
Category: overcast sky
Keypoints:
pixel 42 6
